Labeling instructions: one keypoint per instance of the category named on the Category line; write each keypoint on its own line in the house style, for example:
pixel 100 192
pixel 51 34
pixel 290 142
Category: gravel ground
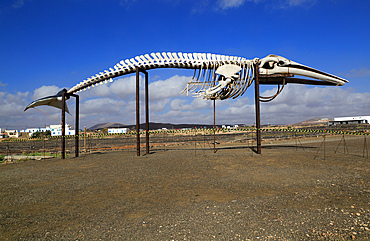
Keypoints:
pixel 234 194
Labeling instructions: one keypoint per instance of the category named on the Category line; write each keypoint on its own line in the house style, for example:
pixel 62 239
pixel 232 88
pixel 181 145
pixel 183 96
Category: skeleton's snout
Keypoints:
pixel 274 64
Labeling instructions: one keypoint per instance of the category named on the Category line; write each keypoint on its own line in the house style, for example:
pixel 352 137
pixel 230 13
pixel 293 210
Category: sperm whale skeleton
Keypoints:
pixel 215 76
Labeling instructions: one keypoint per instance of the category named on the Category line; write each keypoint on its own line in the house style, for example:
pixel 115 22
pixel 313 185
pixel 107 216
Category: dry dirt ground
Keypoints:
pixel 183 194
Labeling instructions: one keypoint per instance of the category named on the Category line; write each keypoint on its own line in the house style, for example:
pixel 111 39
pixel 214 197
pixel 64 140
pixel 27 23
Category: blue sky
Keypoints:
pixel 49 45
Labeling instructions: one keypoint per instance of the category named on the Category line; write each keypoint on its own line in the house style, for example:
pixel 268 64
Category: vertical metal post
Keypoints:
pixel 137 113
pixel 85 139
pixel 77 127
pixel 146 112
pixel 257 103
pixel 214 126
pixel 324 146
pixel 64 93
pixel 365 148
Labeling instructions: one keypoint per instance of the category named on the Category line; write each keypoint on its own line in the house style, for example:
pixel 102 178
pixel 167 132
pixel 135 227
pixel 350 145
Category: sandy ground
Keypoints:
pixel 290 192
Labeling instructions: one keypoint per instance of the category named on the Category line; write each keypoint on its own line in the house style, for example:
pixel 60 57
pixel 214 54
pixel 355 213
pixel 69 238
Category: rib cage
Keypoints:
pixel 204 65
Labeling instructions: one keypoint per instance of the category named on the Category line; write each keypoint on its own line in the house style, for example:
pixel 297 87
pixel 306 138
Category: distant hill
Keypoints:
pixel 152 126
pixel 107 125
pixel 169 126
pixel 313 121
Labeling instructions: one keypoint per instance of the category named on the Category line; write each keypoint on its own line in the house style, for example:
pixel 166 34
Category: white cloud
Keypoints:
pixel 111 103
pixel 227 4
pixel 294 3
pixel 168 88
pixel 45 91
pixel 297 103
pixel 364 72
pixel 195 104
pixel 178 104
pixel 124 87
pixel 100 91
pixel 102 106
pixel 177 116
pixel 157 106
pixel 3 85
pixel 12 105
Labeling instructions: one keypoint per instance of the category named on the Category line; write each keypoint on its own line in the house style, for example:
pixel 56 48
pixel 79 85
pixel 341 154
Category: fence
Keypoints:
pixel 349 139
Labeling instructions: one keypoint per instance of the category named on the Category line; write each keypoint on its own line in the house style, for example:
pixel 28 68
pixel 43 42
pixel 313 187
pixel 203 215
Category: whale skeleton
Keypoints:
pixel 215 76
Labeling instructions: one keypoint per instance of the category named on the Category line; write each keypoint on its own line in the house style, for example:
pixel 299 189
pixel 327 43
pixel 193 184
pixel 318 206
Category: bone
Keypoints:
pixel 160 58
pixel 155 57
pixel 206 70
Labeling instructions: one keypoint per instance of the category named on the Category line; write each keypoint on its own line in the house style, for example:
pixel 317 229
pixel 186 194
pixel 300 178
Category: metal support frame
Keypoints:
pixel 138 70
pixel 65 95
pixel 137 113
pixel 77 120
pixel 214 126
pixel 276 79
pixel 259 79
pixel 146 112
pixel 257 105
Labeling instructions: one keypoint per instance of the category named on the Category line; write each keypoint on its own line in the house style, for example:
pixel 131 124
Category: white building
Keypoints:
pixel 56 130
pixel 12 133
pixel 350 120
pixel 33 130
pixel 117 130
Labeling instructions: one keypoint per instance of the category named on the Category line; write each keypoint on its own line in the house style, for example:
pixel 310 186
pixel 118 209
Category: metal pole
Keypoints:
pixel 137 113
pixel 214 126
pixel 85 139
pixel 147 112
pixel 77 125
pixel 257 103
pixel 63 124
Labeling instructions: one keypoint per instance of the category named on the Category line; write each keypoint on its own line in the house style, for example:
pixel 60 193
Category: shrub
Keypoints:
pixel 39 134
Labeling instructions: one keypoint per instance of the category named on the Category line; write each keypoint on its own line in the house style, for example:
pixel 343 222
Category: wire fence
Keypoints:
pixel 320 142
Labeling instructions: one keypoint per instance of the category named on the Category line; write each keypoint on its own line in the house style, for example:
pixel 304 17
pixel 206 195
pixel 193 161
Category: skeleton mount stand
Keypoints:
pixel 66 96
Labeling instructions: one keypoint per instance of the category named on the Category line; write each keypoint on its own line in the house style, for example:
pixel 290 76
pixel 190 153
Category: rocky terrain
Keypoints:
pixel 289 192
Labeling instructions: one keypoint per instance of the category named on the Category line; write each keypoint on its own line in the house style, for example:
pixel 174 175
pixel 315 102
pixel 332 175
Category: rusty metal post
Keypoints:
pixel 64 93
pixel 137 113
pixel 77 125
pixel 85 139
pixel 146 112
pixel 214 126
pixel 257 104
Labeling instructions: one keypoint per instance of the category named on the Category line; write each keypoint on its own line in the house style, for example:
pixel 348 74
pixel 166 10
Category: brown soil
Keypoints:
pixel 290 192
